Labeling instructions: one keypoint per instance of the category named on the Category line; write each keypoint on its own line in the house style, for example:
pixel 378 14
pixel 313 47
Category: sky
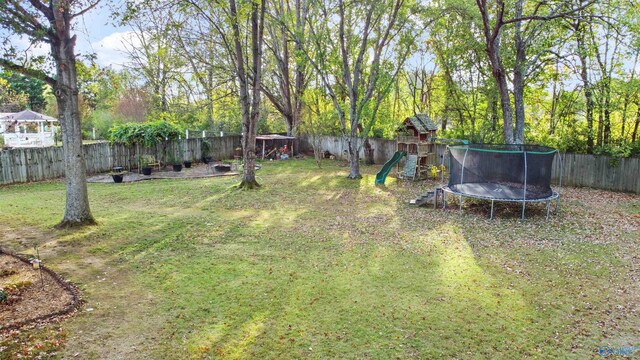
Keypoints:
pixel 96 33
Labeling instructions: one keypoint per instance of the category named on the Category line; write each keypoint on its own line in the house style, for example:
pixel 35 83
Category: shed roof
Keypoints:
pixel 422 123
pixel 274 137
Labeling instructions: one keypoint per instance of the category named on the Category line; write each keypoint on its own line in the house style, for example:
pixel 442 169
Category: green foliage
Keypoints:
pixel 205 149
pixel 619 150
pixel 4 296
pixel 32 88
pixel 103 121
pixel 147 134
pixel 11 100
pixel 146 161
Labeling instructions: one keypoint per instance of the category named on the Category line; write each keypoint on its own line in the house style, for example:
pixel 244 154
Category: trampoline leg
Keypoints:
pixel 523 205
pixel 491 216
pixel 548 208
pixel 444 200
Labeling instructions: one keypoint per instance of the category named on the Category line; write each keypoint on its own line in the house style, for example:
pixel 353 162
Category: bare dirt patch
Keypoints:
pixel 32 296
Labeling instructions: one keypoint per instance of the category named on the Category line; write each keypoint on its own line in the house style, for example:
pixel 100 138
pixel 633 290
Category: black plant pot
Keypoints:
pixel 117 178
pixel 177 167
pixel 206 159
pixel 187 164
pixel 146 171
pixel 223 168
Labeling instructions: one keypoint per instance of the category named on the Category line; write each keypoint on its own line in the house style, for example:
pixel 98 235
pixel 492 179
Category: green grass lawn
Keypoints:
pixel 313 265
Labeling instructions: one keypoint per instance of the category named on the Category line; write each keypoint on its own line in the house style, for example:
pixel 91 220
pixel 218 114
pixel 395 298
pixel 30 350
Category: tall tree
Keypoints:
pixel 152 53
pixel 289 78
pixel 52 23
pixel 579 28
pixel 250 82
pixel 358 59
pixel 527 29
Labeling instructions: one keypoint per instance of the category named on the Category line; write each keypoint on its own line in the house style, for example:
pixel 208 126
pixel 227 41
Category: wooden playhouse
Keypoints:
pixel 415 138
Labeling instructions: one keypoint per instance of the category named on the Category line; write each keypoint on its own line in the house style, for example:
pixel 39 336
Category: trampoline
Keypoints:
pixel 508 173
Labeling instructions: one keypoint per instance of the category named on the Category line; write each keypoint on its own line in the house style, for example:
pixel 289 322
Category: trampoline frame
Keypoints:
pixel 554 196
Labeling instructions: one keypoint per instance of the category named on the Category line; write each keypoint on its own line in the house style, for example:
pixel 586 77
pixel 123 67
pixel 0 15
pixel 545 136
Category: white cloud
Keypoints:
pixel 111 50
pixel 25 47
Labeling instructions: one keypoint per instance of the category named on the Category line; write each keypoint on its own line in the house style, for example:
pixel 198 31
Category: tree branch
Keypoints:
pixel 549 17
pixel 45 10
pixel 82 12
pixel 34 73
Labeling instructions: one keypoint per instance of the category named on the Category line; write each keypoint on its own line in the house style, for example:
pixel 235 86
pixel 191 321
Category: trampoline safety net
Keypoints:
pixel 509 172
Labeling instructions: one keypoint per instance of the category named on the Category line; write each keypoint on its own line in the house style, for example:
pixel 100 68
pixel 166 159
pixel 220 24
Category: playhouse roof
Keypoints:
pixel 422 123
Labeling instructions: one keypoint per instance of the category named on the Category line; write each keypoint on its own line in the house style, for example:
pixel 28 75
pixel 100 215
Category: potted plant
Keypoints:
pixel 175 162
pixel 117 176
pixel 222 168
pixel 186 163
pixel 205 150
pixel 145 164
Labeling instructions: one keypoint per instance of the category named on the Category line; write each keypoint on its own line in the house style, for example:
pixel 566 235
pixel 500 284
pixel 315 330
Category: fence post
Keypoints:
pixel 186 135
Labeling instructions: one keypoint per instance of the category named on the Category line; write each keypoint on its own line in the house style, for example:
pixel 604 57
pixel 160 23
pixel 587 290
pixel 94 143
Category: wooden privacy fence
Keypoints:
pixel 36 164
pixel 595 171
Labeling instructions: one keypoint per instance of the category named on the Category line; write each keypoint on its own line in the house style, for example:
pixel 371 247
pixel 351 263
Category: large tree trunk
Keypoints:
pixel 497 69
pixel 249 155
pixel 77 211
pixel 584 76
pixel 519 72
pixel 627 97
pixel 635 127
pixel 354 158
pixel 600 121
pixel 492 99
pixel 492 38
pixel 209 91
pixel 291 84
pixel 606 128
pixel 250 105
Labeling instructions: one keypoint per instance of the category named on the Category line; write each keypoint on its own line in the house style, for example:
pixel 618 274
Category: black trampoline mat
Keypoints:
pixel 500 191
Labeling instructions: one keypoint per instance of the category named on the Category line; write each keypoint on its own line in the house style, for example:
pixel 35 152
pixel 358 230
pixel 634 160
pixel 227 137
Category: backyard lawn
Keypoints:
pixel 313 265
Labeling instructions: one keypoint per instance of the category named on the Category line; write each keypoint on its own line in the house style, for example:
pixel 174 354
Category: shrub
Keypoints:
pixel 147 134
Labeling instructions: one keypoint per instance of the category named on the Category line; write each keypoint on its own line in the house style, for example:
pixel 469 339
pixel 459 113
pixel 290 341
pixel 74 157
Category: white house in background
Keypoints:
pixel 27 129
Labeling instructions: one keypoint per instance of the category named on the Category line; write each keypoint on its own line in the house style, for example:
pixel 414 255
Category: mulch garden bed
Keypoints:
pixel 195 172
pixel 30 296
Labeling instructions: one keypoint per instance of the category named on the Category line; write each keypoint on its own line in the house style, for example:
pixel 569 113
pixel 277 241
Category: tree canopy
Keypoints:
pixel 560 73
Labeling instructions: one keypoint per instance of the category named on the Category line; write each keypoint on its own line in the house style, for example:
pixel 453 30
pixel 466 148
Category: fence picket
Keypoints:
pixel 36 164
pixel 596 171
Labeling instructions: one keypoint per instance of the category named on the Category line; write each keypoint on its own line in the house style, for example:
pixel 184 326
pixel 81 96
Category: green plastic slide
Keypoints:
pixel 381 177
